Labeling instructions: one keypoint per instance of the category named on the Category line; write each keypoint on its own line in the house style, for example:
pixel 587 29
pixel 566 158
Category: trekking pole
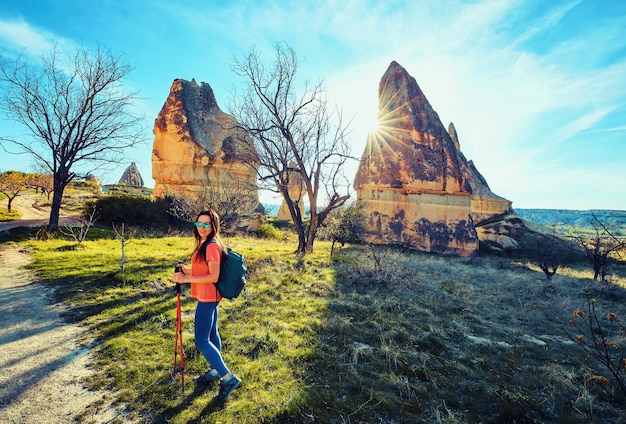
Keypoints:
pixel 178 343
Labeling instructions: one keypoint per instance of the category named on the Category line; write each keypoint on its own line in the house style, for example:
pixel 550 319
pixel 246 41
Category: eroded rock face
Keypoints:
pixel 417 188
pixel 131 177
pixel 196 145
pixel 296 191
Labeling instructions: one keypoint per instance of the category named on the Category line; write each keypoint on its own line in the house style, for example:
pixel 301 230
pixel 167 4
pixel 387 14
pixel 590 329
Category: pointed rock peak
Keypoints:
pixel 454 136
pixel 131 176
pixel 187 98
pixel 399 96
pixel 394 67
pixel 198 97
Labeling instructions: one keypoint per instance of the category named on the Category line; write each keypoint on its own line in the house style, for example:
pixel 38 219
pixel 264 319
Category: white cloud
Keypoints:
pixel 547 21
pixel 521 80
pixel 21 35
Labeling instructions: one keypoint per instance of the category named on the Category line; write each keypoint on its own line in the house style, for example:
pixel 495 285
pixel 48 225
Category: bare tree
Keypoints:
pixel 600 248
pixel 74 109
pixel 120 234
pixel 43 182
pixel 289 127
pixel 548 251
pixel 235 204
pixel 80 227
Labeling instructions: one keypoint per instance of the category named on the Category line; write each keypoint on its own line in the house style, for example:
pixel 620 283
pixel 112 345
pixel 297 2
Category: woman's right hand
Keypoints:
pixel 178 277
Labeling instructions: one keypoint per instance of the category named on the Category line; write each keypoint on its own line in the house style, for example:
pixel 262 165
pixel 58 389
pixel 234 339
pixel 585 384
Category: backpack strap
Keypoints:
pixel 215 284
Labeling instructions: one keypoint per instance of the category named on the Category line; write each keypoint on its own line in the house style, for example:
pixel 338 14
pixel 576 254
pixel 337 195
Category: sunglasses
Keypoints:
pixel 203 224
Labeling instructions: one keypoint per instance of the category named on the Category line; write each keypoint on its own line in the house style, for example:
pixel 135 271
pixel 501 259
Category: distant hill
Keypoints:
pixel 581 218
pixel 561 217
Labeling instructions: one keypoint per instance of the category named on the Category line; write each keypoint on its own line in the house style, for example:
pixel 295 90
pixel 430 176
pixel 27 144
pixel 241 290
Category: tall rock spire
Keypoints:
pixel 416 186
pixel 131 176
pixel 197 148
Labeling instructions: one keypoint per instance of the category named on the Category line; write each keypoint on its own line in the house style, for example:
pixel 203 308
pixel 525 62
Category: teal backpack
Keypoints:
pixel 232 277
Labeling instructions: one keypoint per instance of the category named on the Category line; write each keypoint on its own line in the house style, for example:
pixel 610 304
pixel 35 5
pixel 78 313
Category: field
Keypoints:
pixel 368 335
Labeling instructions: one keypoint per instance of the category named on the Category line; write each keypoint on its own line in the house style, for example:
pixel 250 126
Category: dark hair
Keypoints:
pixel 214 236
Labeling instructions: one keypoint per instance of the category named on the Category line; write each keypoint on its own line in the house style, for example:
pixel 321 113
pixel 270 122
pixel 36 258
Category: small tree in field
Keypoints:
pixel 604 341
pixel 11 185
pixel 122 236
pixel 344 225
pixel 43 182
pixel 74 111
pixel 79 229
pixel 601 248
pixel 292 132
pixel 548 251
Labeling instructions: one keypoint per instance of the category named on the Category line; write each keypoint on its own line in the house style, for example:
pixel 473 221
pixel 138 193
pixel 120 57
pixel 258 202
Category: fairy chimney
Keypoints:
pixel 417 188
pixel 197 146
pixel 131 176
pixel 296 190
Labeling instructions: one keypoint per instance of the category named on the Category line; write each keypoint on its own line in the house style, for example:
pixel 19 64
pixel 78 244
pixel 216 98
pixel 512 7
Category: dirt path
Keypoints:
pixel 30 215
pixel 41 359
pixel 42 362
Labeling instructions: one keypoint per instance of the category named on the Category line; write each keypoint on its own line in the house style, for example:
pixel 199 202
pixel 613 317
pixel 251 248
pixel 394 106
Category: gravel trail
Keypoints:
pixel 42 362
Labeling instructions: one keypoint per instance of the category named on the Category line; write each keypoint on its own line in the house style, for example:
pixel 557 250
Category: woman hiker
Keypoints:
pixel 202 275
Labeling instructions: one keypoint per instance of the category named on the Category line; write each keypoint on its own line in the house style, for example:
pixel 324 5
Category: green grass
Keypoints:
pixel 367 336
pixel 4 212
pixel 5 215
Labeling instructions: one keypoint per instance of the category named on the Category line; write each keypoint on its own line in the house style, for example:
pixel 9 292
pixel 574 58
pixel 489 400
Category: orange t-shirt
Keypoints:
pixel 206 292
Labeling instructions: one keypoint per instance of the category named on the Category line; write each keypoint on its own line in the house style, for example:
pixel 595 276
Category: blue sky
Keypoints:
pixel 536 89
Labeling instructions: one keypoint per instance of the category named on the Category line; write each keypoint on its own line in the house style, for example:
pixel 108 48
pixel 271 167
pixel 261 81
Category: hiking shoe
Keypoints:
pixel 226 388
pixel 209 377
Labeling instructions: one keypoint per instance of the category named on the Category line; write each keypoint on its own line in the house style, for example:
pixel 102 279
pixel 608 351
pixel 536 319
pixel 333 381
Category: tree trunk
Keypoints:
pixel 302 242
pixel 298 221
pixel 596 272
pixel 55 210
pixel 312 231
pixel 57 199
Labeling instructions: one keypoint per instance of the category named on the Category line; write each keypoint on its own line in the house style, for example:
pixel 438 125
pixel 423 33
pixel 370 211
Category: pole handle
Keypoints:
pixel 178 268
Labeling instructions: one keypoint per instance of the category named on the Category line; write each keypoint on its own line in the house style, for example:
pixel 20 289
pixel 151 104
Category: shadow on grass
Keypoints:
pixel 428 337
pixel 166 415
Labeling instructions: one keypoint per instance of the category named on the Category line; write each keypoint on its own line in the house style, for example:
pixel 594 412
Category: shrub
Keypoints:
pixel 344 225
pixel 602 341
pixel 135 211
pixel 268 231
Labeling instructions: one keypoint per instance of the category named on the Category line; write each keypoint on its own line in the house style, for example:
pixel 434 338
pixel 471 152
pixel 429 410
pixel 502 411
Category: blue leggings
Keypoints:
pixel 207 337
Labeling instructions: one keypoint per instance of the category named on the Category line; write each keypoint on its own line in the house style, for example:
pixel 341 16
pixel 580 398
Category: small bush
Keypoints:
pixel 268 231
pixel 601 340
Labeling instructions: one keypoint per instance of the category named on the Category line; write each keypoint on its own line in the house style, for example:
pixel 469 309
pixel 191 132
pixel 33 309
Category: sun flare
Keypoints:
pixel 372 124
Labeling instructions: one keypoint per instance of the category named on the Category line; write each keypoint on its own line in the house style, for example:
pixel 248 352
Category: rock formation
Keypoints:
pixel 485 203
pixel 131 177
pixel 196 146
pixel 296 192
pixel 417 188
